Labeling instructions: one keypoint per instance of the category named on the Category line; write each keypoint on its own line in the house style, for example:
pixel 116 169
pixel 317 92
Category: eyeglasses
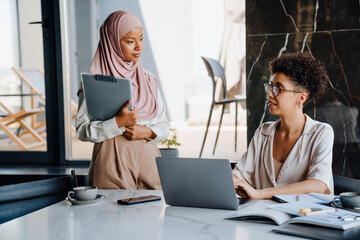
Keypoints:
pixel 276 90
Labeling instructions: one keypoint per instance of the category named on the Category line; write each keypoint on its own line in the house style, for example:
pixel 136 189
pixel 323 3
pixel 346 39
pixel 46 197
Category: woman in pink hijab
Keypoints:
pixel 125 145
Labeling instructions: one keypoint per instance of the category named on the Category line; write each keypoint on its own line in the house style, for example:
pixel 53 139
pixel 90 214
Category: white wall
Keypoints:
pixel 177 33
pixel 180 31
pixel 29 40
pixel 8 27
pixel 9 53
pixel 31 34
pixel 208 30
pixel 169 26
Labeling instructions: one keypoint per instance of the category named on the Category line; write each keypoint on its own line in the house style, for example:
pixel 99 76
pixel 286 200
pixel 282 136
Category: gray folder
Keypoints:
pixel 105 95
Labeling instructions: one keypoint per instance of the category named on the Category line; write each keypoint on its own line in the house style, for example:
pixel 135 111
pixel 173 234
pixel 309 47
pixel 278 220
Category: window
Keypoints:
pixel 172 55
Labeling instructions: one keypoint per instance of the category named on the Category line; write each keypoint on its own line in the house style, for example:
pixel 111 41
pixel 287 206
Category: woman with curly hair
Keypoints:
pixel 294 154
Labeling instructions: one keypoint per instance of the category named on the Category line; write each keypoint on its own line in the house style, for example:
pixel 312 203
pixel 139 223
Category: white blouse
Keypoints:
pixel 99 131
pixel 310 158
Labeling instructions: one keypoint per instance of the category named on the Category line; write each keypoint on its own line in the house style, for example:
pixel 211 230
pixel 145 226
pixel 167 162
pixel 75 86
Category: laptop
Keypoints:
pixel 197 182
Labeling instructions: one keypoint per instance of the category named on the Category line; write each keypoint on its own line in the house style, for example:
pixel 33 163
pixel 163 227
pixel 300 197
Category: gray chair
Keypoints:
pixel 17 200
pixel 345 184
pixel 216 71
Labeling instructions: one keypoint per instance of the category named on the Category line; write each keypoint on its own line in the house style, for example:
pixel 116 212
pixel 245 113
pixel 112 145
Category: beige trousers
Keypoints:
pixel 119 163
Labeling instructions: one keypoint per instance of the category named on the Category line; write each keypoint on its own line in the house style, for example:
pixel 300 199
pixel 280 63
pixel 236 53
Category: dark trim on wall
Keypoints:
pixel 54 88
pixel 18 32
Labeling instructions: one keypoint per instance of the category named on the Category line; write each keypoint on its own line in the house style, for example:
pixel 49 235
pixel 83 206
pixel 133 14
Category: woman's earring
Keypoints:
pixel 299 106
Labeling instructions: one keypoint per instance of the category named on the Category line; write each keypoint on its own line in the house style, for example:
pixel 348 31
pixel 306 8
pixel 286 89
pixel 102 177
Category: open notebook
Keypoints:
pixel 267 211
pixel 257 211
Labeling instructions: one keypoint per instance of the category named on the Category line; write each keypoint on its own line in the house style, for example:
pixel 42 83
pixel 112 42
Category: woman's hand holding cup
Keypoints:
pixel 126 117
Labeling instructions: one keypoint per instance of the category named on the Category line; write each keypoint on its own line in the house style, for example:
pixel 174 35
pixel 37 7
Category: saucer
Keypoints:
pixel 348 209
pixel 86 202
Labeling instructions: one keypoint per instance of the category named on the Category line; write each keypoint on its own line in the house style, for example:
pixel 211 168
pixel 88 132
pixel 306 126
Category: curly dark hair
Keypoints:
pixel 304 71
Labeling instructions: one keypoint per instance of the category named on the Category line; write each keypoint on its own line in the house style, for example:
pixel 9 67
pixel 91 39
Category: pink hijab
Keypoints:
pixel 109 60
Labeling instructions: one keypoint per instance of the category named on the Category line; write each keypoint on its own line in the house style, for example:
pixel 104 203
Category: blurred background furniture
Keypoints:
pixel 34 82
pixel 9 118
pixel 345 184
pixel 216 73
pixel 20 199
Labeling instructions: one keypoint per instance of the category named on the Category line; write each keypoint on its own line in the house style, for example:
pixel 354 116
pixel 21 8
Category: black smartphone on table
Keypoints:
pixel 135 200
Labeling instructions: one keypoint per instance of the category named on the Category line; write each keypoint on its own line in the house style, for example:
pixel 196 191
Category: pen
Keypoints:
pixel 320 211
pixel 307 210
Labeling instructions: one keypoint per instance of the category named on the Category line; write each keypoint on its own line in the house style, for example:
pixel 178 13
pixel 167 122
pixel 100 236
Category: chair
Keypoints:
pixel 10 118
pixel 34 79
pixel 216 71
pixel 23 198
pixel 345 184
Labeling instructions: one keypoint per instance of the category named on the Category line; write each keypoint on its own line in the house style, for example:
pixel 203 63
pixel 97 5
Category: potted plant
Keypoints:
pixel 171 144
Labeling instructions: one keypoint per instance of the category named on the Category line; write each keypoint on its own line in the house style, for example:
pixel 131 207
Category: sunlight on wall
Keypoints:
pixel 9 52
pixel 8 41
pixel 180 32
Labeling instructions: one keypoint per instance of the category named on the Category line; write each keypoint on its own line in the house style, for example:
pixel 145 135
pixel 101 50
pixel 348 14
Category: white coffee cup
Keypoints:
pixel 83 193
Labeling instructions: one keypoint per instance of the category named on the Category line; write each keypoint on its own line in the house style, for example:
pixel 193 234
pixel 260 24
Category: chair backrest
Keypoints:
pixel 19 199
pixel 345 184
pixel 33 78
pixel 214 70
pixel 34 82
pixel 36 79
pixel 3 114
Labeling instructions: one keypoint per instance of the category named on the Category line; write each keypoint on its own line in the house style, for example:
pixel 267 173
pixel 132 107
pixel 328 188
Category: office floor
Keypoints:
pixel 191 138
pixel 190 134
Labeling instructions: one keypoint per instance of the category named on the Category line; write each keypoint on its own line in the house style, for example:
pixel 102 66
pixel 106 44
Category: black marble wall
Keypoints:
pixel 330 31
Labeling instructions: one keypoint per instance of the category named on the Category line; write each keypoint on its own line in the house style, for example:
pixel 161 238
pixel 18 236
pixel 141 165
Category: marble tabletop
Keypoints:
pixel 152 220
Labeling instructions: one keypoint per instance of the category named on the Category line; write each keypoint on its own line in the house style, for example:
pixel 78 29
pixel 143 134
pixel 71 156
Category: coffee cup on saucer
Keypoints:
pixel 84 193
pixel 348 200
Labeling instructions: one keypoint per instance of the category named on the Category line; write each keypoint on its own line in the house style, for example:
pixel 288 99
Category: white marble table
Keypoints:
pixel 152 220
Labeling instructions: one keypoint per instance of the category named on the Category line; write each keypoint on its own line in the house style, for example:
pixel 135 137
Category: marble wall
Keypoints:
pixel 330 31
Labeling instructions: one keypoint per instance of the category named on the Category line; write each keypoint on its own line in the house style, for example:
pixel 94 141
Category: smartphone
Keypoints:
pixel 129 201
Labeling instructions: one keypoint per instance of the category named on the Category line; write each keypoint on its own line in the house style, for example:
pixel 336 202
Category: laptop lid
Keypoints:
pixel 197 182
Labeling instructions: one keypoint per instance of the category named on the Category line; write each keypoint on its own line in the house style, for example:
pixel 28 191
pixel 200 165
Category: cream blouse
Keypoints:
pixel 277 167
pixel 99 131
pixel 310 158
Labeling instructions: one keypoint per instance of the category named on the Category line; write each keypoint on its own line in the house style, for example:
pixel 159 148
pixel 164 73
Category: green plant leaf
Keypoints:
pixel 171 140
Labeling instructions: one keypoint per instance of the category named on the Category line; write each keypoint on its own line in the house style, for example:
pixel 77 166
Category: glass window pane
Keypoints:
pixel 174 40
pixel 22 84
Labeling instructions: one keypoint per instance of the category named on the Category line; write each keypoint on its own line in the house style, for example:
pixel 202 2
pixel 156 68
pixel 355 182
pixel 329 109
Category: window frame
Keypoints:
pixel 54 109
